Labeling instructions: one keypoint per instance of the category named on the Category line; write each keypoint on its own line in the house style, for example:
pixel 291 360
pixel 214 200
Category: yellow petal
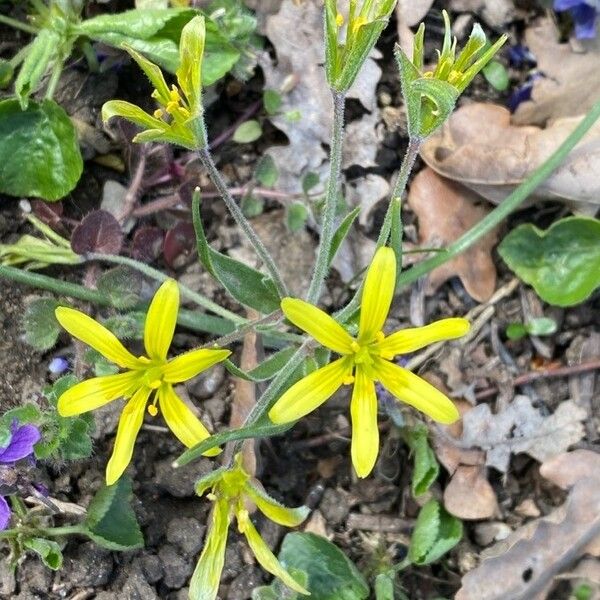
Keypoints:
pixel 90 332
pixel 414 338
pixel 310 392
pixel 95 392
pixel 414 390
pixel 207 574
pixel 161 320
pixel 318 324
pixel 378 291
pixel 188 365
pixel 365 434
pixel 181 420
pixel 129 426
pixel 273 510
pixel 264 556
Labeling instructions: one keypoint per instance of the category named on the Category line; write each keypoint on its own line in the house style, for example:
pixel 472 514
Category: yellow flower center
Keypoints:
pixel 364 353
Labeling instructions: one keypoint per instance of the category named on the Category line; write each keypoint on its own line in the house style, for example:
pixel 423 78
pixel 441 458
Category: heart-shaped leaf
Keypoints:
pixel 562 263
pixel 39 152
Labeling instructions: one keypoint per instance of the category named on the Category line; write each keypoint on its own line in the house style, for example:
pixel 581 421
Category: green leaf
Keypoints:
pixel 252 206
pixel 47 550
pixel 296 216
pixel 155 33
pixel 341 232
pixel 436 532
pixel 309 181
pixel 245 284
pixel 384 587
pixel 40 53
pixel 541 326
pixel 516 331
pixel 426 468
pixel 110 520
pixel 6 73
pixel 262 429
pixel 266 370
pixel 535 326
pixel 39 152
pixel 562 263
pixel 247 132
pixel 496 75
pixel 64 438
pixel 266 171
pixel 122 286
pixel 279 591
pixel 272 101
pixel 40 325
pixel 331 574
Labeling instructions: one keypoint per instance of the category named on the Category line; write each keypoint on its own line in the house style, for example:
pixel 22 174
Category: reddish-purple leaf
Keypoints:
pixel 98 232
pixel 179 240
pixel 147 244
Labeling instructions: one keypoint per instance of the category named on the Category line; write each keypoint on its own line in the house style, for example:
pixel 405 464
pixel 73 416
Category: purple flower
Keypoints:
pixel 20 445
pixel 583 13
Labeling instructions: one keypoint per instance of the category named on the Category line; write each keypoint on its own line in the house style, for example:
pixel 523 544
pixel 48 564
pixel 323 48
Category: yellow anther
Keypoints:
pixel 339 19
pixel 152 410
pixel 174 94
pixel 348 379
pixel 210 496
pixel 379 336
pixel 158 113
pixel 358 23
pixel 355 346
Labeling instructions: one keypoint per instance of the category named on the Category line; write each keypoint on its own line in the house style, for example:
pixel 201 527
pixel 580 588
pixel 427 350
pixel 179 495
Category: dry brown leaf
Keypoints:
pixel 572 79
pixel 479 148
pixel 245 396
pixel 522 428
pixel 469 495
pixel 566 469
pixel 523 566
pixel 445 211
pixel 296 33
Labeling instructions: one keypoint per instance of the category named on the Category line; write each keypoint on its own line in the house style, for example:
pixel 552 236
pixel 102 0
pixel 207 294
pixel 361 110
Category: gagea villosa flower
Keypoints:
pixel 144 376
pixel 364 360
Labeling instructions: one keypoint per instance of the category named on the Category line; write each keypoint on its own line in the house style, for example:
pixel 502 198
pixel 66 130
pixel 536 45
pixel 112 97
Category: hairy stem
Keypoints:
pixel 240 219
pixel 408 162
pixel 157 275
pixel 328 222
pixel 18 24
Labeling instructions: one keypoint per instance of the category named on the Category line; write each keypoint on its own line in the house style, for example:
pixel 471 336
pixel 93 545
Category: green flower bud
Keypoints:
pixel 345 57
pixel 430 96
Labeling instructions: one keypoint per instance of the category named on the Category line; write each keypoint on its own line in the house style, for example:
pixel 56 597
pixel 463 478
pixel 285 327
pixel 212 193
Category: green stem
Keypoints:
pixel 190 319
pixel 65 530
pixel 508 205
pixel 266 400
pixel 157 275
pixel 43 531
pixel 54 78
pixel 240 219
pixel 18 24
pixel 331 197
pixel 408 162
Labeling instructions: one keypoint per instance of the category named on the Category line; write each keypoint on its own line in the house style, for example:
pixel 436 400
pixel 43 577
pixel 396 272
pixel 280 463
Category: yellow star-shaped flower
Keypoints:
pixel 146 375
pixel 366 360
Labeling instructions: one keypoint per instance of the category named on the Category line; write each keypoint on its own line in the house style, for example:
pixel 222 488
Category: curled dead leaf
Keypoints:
pixel 523 566
pixel 445 211
pixel 479 148
pixel 469 495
